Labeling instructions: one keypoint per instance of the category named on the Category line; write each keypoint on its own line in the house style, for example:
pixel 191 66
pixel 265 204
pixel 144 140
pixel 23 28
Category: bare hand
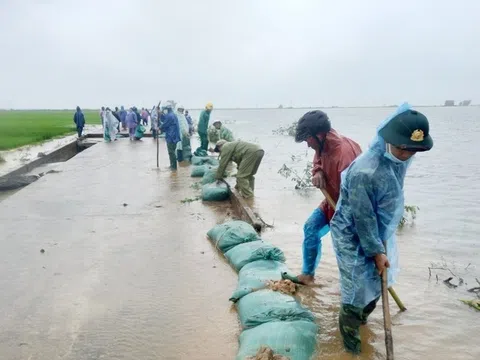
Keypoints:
pixel 319 180
pixel 381 261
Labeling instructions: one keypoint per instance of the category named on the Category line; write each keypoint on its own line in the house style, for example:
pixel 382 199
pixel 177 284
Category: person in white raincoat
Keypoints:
pixel 184 149
pixel 110 128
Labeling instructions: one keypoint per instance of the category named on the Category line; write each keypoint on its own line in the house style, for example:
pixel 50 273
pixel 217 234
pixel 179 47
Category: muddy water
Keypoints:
pixel 443 183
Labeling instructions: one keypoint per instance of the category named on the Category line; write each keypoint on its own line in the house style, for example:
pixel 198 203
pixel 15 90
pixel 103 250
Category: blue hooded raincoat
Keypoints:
pixel 169 125
pixel 369 209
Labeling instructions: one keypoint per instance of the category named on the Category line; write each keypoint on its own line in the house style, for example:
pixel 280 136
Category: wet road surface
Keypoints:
pixel 115 282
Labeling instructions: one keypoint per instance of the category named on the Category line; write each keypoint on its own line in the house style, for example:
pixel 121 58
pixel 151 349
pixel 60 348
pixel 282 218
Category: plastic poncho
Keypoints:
pixel 154 117
pixel 183 126
pixel 131 119
pixel 169 125
pixel 79 118
pixel 369 209
pixel 110 128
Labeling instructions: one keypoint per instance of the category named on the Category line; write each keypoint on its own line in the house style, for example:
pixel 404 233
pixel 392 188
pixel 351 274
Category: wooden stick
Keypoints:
pixel 387 321
pixel 157 149
pixel 390 289
pixel 397 299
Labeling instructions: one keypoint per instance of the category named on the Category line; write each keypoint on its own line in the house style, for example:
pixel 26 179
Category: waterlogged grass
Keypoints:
pixel 25 127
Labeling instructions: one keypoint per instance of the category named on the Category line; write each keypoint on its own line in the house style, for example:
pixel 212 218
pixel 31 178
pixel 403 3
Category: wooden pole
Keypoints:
pixel 157 149
pixel 158 136
pixel 387 321
pixel 390 289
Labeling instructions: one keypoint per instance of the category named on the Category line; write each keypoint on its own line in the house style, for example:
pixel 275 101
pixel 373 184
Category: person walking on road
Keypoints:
pixel 132 122
pixel 333 154
pixel 247 156
pixel 203 126
pixel 169 125
pixel 369 209
pixel 79 120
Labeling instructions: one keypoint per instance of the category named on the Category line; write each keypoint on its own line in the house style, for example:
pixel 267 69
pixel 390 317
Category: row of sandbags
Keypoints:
pixel 268 318
pixel 206 167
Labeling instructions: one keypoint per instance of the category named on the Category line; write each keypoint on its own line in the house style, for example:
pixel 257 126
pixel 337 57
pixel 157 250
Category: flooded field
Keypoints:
pixel 140 281
pixel 443 183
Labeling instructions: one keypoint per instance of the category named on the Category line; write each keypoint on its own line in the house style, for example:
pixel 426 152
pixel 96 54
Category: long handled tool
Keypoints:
pixel 387 321
pixel 390 289
pixel 157 151
pixel 158 135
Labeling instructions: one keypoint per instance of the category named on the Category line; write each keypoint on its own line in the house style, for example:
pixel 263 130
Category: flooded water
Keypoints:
pixel 443 183
pixel 142 282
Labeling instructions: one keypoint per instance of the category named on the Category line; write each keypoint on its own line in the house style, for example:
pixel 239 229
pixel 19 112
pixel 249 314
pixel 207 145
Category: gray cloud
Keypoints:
pixel 57 54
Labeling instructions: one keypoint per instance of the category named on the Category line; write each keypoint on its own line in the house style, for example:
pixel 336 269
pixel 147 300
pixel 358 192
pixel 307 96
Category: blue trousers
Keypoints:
pixel 314 228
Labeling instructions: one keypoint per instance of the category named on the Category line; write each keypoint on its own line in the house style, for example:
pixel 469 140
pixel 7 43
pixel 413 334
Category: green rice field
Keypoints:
pixel 25 127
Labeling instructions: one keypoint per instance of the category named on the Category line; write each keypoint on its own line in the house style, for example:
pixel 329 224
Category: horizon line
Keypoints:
pixel 257 108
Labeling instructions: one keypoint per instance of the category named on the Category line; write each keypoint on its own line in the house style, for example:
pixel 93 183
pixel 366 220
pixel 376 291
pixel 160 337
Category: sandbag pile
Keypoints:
pixel 269 318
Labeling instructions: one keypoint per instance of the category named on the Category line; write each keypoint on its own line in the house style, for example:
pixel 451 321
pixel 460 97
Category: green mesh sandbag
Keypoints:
pixel 200 152
pixel 246 253
pixel 232 233
pixel 264 306
pixel 256 275
pixel 215 192
pixel 202 160
pixel 293 339
pixel 198 171
pixel 209 175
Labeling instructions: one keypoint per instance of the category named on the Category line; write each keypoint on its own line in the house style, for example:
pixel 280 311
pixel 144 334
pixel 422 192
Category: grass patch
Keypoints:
pixel 24 127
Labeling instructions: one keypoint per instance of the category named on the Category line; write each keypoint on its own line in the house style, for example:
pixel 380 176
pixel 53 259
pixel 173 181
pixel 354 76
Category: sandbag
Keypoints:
pixel 202 160
pixel 249 252
pixel 215 192
pixel 264 306
pixel 255 275
pixel 232 233
pixel 293 339
pixel 200 152
pixel 198 171
pixel 209 175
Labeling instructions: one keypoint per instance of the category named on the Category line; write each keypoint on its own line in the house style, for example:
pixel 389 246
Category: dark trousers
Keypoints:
pixel 350 319
pixel 79 130
pixel 203 141
pixel 172 156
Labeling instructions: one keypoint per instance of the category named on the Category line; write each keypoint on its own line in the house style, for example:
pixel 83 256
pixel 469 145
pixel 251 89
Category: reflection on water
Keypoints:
pixel 443 183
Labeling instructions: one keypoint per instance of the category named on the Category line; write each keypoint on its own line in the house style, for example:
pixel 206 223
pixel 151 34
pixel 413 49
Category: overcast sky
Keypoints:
pixel 60 53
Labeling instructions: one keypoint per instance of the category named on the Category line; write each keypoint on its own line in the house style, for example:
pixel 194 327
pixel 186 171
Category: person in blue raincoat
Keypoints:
pixel 369 209
pixel 169 125
pixel 79 120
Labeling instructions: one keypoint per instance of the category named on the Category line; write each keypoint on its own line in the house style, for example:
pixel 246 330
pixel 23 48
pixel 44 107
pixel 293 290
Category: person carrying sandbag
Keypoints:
pixel 247 156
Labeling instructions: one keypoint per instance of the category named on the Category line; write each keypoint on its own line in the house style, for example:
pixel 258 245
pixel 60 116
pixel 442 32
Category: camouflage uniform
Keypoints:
pixel 350 319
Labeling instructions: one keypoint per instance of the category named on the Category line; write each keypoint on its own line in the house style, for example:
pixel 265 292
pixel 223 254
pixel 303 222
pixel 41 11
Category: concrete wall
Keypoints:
pixel 62 154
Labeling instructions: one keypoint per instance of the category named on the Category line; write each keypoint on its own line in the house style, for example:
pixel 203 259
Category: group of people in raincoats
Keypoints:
pixel 368 190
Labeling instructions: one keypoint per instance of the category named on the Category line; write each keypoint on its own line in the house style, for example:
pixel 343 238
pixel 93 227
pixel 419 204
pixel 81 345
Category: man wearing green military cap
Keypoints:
pixel 369 209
